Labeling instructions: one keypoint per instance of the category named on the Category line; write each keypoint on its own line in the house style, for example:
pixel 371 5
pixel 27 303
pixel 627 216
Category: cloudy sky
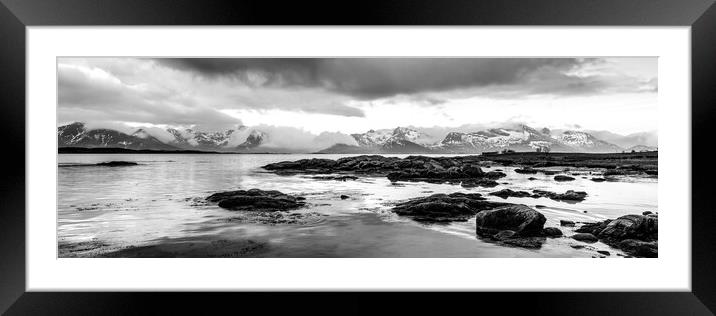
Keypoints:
pixel 350 95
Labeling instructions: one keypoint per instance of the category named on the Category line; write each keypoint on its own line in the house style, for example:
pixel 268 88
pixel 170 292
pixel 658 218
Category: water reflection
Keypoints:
pixel 155 208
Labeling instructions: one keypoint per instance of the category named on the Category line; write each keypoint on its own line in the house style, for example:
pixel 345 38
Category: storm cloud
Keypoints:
pixel 373 78
pixel 346 95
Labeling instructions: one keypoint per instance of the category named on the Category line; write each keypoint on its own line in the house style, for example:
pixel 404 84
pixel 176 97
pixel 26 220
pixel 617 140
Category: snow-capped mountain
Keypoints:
pixel 523 138
pixel 255 139
pixel 192 139
pixel 582 141
pixel 77 135
pixel 398 140
pixel 402 140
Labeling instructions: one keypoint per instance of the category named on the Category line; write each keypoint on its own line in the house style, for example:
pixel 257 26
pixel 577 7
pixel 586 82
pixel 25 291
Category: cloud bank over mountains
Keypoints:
pixel 341 96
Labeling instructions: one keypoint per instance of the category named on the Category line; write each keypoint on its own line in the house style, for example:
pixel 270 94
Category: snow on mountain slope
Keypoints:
pixel 583 141
pixel 77 135
pixel 191 139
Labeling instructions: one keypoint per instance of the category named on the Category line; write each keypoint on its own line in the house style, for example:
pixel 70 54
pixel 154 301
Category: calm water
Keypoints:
pixel 154 209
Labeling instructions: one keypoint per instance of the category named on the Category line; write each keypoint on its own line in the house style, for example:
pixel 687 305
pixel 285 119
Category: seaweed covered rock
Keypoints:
pixel 256 200
pixel 444 207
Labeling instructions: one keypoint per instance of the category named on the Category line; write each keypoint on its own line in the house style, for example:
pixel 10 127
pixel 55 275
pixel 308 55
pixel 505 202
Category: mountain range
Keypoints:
pixel 401 140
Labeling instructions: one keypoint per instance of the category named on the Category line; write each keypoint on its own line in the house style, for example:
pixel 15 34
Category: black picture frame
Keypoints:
pixel 16 15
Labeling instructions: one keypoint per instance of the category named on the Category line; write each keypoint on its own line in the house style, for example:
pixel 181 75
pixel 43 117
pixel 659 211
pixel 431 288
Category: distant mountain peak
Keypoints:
pixel 77 135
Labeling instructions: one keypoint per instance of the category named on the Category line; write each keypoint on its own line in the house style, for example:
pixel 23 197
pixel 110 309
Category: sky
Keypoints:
pixel 352 95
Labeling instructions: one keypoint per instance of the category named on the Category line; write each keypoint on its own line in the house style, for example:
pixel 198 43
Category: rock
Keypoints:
pixel 604 252
pixel 504 234
pixel 526 242
pixel 521 219
pixel 646 213
pixel 505 193
pixel 551 232
pixel 570 195
pixel 652 172
pixel 615 172
pixel 445 208
pixel 526 171
pixel 256 200
pixel 343 197
pixel 470 183
pixel 563 222
pixel 639 248
pixel 562 178
pixel 577 246
pixel 598 179
pixel 117 163
pixel 631 227
pixel 336 178
pixel 494 175
pixel 593 228
pixel 472 170
pixel 585 237
pixel 531 178
pixel 412 168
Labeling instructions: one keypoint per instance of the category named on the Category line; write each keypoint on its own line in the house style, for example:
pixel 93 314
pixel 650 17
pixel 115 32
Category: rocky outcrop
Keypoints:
pixel 445 207
pixel 256 200
pixel 569 195
pixel 336 178
pixel 465 169
pixel 635 234
pixel 505 193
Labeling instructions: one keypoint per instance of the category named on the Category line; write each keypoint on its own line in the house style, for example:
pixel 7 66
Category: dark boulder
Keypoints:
pixel 526 171
pixel 593 228
pixel 519 218
pixel 598 179
pixel 563 178
pixel 566 223
pixel 256 200
pixel 569 195
pixel 471 183
pixel 585 237
pixel 505 193
pixel 639 227
pixel 444 207
pixel 344 197
pixel 551 232
pixel 639 248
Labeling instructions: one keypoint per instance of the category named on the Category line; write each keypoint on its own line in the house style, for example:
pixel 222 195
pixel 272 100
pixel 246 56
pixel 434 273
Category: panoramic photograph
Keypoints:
pixel 374 157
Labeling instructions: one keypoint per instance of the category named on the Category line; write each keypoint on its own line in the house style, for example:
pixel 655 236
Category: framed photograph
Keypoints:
pixel 402 146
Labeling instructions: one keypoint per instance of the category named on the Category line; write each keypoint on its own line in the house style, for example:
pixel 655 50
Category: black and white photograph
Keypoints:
pixel 357 157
